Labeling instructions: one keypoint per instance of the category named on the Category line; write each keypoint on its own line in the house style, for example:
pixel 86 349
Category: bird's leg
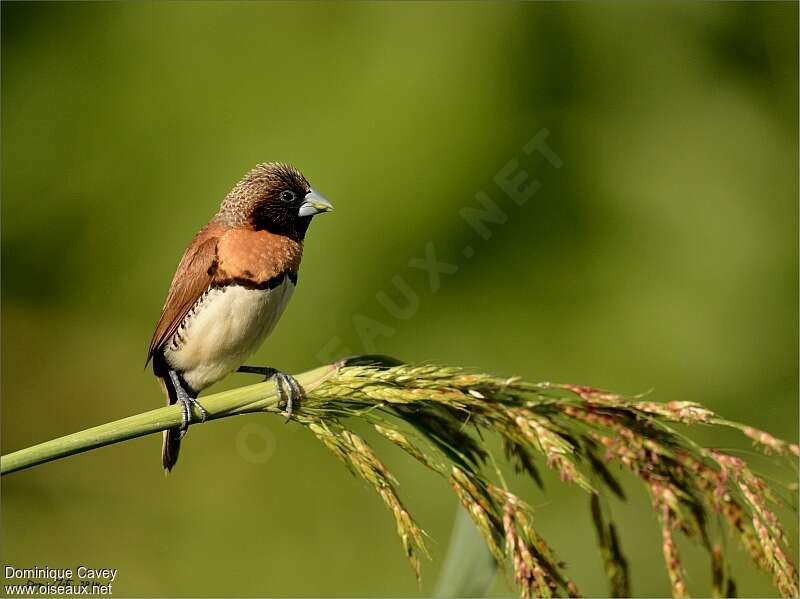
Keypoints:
pixel 287 387
pixel 187 401
pixel 264 371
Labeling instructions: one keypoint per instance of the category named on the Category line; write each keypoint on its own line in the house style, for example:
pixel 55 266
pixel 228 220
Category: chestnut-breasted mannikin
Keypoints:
pixel 230 289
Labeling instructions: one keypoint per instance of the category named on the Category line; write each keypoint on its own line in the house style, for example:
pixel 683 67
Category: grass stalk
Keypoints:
pixel 252 398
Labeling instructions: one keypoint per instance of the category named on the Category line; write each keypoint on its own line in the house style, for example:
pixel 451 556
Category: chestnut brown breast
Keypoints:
pixel 255 257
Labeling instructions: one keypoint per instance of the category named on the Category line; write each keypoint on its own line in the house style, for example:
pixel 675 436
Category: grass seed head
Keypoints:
pixel 442 417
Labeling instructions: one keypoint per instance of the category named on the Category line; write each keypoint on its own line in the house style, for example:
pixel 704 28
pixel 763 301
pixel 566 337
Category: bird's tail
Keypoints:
pixel 171 444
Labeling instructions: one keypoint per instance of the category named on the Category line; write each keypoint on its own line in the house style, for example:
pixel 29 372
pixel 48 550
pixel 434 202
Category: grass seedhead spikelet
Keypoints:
pixel 442 417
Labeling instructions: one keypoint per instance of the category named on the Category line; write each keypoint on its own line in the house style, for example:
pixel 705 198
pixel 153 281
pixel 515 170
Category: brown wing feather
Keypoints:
pixel 193 276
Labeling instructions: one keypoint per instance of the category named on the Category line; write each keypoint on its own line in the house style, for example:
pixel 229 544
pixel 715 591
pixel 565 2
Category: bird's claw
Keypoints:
pixel 186 414
pixel 290 391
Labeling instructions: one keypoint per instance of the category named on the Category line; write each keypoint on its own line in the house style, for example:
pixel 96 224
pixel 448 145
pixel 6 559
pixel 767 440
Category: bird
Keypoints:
pixel 229 291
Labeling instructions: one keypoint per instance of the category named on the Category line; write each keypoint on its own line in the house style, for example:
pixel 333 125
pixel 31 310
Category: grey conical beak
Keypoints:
pixel 314 203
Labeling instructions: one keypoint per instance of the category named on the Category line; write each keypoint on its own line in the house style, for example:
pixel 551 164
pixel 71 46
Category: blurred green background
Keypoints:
pixel 662 255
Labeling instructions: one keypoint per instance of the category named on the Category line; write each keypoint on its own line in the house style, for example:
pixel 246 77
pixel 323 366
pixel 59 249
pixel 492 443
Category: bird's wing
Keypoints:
pixel 194 275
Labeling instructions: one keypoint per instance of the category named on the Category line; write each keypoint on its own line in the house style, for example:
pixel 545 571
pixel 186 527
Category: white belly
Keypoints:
pixel 223 329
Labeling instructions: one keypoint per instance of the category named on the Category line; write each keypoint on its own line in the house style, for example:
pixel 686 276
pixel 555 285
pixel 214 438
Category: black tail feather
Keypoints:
pixel 169 449
pixel 171 444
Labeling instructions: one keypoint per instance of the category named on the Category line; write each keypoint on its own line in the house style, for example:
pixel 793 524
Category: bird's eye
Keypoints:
pixel 287 195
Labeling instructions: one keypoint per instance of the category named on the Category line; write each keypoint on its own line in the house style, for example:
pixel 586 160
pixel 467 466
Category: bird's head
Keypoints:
pixel 274 197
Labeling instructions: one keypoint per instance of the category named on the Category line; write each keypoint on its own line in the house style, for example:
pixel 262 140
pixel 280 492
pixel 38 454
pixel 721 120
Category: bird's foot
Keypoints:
pixel 186 414
pixel 289 390
pixel 186 402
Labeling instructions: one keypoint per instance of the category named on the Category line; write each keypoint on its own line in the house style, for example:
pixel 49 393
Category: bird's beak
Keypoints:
pixel 314 203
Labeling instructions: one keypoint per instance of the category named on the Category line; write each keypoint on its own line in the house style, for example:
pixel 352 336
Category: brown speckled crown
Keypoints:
pixel 254 201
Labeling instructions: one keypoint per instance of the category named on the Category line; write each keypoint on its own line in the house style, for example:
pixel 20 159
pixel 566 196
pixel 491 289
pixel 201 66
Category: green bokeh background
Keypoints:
pixel 662 255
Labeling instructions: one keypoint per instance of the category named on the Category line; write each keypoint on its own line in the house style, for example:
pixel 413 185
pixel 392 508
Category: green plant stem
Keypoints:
pixel 252 398
pixel 469 568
